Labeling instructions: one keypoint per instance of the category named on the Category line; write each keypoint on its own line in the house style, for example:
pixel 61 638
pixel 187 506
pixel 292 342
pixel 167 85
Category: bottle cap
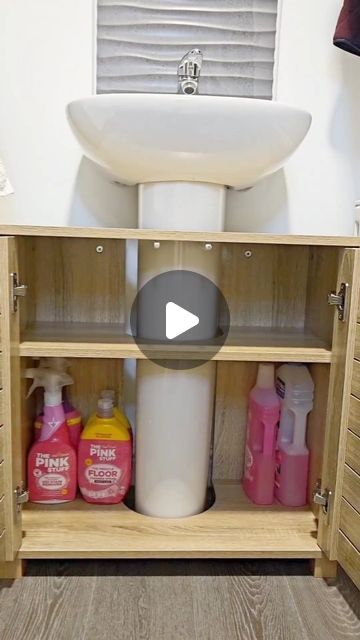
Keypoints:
pixel 265 376
pixel 109 394
pixel 105 408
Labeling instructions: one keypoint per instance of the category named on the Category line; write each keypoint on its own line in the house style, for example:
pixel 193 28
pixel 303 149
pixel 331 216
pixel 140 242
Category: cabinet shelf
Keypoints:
pixel 238 237
pixel 96 340
pixel 234 528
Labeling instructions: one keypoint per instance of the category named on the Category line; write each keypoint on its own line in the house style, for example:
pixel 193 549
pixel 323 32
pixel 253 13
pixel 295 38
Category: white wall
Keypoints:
pixel 316 191
pixel 46 60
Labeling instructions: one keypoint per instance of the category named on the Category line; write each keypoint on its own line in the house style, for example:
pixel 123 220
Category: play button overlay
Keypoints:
pixel 179 319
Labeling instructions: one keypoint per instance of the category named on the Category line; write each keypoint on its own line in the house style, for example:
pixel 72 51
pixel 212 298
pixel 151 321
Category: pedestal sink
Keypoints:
pixel 182 151
pixel 143 138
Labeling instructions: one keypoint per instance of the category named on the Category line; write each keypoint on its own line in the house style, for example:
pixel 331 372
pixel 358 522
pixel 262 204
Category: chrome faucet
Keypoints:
pixel 189 72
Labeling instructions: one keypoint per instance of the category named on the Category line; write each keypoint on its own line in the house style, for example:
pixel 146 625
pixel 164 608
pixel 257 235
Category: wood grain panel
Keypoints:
pixel 269 288
pixel 316 426
pixel 327 611
pixel 2 513
pixel 338 402
pixel 355 383
pixel 352 455
pixel 322 279
pixel 357 342
pixel 350 523
pixel 186 600
pixel 12 570
pixel 12 465
pixel 226 237
pixel 354 415
pixel 233 384
pixel 101 340
pixel 1 443
pixel 69 281
pixel 2 547
pixel 233 528
pixel 2 479
pixel 349 558
pixel 351 487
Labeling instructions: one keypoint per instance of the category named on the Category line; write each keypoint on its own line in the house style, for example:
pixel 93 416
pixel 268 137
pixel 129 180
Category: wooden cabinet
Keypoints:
pixel 276 288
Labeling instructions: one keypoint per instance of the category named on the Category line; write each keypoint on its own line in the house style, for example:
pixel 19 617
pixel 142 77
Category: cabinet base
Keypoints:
pixel 232 528
pixel 12 570
pixel 324 568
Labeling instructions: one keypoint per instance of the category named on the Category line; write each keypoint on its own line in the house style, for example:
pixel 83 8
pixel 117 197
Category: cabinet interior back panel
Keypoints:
pixel 140 42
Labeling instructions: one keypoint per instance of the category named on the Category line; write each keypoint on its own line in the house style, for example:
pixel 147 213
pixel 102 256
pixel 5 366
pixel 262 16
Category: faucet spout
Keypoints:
pixel 189 72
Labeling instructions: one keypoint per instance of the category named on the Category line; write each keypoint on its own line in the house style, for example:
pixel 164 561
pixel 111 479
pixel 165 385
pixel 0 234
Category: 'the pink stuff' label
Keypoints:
pixel 104 470
pixel 52 474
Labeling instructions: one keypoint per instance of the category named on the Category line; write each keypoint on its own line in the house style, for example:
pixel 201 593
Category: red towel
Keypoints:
pixel 347 34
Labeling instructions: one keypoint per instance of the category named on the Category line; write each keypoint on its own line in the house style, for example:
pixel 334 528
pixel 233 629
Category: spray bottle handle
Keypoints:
pixel 31 373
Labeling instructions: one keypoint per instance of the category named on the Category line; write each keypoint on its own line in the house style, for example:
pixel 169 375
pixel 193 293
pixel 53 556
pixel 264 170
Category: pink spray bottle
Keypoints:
pixel 52 464
pixel 263 419
pixel 72 415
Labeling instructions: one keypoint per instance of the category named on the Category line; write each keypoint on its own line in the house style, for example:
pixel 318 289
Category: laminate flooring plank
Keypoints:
pixel 212 608
pixel 172 608
pixel 177 600
pixel 349 592
pixel 261 605
pixel 47 607
pixel 325 613
pixel 121 609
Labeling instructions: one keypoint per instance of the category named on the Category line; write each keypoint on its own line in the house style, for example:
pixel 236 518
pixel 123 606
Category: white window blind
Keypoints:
pixel 140 42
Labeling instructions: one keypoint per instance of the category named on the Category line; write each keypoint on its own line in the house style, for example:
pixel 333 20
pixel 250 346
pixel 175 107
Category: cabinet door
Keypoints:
pixel 10 414
pixel 339 528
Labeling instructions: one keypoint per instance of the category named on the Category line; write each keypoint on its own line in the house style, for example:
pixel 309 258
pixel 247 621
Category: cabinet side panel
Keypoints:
pixel 343 342
pixel 11 397
pixel 316 426
pixel 322 279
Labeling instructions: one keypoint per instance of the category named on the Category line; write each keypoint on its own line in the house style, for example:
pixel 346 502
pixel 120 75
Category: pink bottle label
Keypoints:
pixel 104 470
pixel 52 472
pixel 259 466
pixel 291 478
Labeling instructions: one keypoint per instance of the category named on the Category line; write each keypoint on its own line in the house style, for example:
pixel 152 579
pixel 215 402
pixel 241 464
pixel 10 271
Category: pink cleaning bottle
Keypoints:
pixel 52 464
pixel 263 419
pixel 295 389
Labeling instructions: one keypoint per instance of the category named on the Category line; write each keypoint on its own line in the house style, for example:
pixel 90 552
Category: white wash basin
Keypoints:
pixel 142 138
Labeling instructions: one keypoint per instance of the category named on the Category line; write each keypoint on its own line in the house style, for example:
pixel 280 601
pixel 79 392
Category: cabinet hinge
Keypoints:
pixel 21 496
pixel 18 290
pixel 340 300
pixel 322 497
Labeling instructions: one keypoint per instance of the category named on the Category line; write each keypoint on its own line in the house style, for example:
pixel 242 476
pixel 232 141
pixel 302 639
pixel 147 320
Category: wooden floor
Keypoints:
pixel 177 600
